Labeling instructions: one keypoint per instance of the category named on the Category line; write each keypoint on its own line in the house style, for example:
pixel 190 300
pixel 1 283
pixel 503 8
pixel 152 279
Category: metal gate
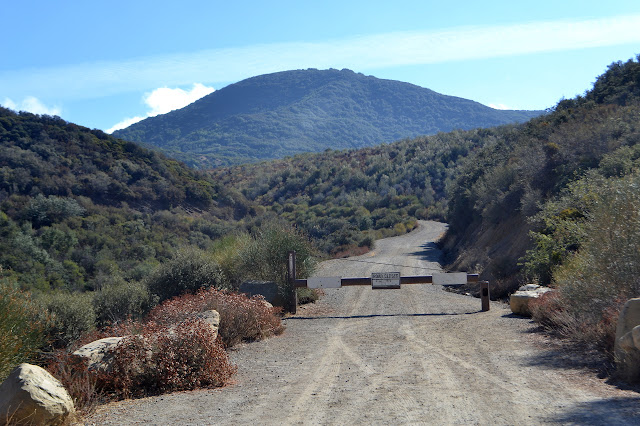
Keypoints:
pixel 382 280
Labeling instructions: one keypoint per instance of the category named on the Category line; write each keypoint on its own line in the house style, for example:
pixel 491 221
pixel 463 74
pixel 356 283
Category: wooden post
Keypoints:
pixel 292 296
pixel 484 295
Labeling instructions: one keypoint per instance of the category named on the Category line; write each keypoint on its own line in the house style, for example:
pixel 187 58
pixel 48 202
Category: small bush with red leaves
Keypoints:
pixel 76 378
pixel 166 359
pixel 241 318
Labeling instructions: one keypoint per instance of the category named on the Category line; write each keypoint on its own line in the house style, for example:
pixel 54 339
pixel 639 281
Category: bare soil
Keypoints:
pixel 418 355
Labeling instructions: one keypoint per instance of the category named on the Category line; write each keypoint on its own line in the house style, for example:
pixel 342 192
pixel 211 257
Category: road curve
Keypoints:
pixel 418 355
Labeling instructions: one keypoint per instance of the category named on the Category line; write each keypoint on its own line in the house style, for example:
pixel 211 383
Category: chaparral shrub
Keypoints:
pixel 594 283
pixel 265 257
pixel 241 318
pixel 76 378
pixel 190 270
pixel 21 327
pixel 167 359
pixel 72 316
pixel 121 300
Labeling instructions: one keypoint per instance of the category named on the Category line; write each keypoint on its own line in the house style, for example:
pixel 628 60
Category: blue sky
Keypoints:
pixel 107 63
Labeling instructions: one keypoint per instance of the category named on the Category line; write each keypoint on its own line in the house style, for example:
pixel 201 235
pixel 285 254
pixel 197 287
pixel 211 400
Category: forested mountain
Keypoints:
pixel 275 115
pixel 78 207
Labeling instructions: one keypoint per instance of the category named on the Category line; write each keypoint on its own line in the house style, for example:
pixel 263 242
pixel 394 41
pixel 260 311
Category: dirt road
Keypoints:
pixel 418 355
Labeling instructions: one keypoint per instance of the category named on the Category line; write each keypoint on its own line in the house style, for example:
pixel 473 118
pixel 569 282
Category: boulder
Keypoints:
pixel 631 340
pixel 519 301
pixel 97 354
pixel 627 344
pixel 30 395
pixel 629 317
pixel 212 318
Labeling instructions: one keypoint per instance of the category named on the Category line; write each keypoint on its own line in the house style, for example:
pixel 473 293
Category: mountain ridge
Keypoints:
pixel 285 113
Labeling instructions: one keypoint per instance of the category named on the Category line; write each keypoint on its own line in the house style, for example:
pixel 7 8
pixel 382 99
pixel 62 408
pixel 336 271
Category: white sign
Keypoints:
pixel 385 280
pixel 324 282
pixel 450 278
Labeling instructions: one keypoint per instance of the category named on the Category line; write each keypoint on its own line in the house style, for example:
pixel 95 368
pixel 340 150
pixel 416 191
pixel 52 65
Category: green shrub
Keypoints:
pixel 72 316
pixel 47 210
pixel 594 284
pixel 122 300
pixel 266 256
pixel 189 270
pixel 21 327
pixel 226 251
pixel 307 295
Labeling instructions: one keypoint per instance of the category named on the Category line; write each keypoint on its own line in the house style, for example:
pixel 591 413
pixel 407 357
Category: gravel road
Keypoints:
pixel 418 355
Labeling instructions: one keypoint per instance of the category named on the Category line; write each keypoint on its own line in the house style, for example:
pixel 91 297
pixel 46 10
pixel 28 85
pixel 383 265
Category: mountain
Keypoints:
pixel 285 113
pixel 79 207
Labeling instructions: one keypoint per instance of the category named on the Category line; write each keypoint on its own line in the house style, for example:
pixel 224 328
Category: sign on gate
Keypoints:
pixel 324 282
pixel 450 278
pixel 385 280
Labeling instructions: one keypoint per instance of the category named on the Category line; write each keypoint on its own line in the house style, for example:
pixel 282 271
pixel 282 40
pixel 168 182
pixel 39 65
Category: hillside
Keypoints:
pixel 346 199
pixel 522 182
pixel 79 207
pixel 286 113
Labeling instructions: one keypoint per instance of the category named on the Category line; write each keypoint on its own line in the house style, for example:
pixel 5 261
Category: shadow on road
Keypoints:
pixel 381 315
pixel 430 252
pixel 565 355
pixel 601 412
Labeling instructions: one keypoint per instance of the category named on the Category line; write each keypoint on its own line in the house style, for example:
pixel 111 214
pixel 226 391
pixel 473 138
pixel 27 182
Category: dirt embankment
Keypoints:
pixel 418 355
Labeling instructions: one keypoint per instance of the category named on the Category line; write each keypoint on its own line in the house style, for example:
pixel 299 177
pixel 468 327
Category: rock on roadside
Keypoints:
pixel 627 344
pixel 211 317
pixel 98 353
pixel 519 301
pixel 30 395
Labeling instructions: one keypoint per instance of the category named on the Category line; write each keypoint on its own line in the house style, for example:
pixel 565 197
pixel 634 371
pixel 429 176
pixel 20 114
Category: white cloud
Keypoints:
pixel 124 123
pixel 364 53
pixel 164 100
pixel 500 106
pixel 31 104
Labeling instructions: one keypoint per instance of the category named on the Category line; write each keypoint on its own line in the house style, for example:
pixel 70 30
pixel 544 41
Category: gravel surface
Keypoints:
pixel 418 355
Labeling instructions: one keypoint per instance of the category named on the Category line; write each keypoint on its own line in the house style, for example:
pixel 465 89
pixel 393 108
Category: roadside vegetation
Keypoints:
pixel 555 202
pixel 158 315
pixel 99 234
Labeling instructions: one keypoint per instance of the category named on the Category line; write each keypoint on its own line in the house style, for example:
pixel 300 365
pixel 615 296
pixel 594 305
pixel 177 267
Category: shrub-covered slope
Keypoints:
pixel 346 199
pixel 275 115
pixel 78 207
pixel 534 180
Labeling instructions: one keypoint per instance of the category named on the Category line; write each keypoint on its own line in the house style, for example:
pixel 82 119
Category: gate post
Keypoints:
pixel 484 295
pixel 292 295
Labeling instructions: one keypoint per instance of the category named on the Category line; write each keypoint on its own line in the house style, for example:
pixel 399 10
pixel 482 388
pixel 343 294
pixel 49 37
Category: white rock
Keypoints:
pixel 631 340
pixel 519 301
pixel 212 318
pixel 629 317
pixel 97 353
pixel 30 395
pixel 627 344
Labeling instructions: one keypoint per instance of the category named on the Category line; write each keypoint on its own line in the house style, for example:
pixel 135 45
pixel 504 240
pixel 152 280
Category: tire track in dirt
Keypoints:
pixel 418 355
